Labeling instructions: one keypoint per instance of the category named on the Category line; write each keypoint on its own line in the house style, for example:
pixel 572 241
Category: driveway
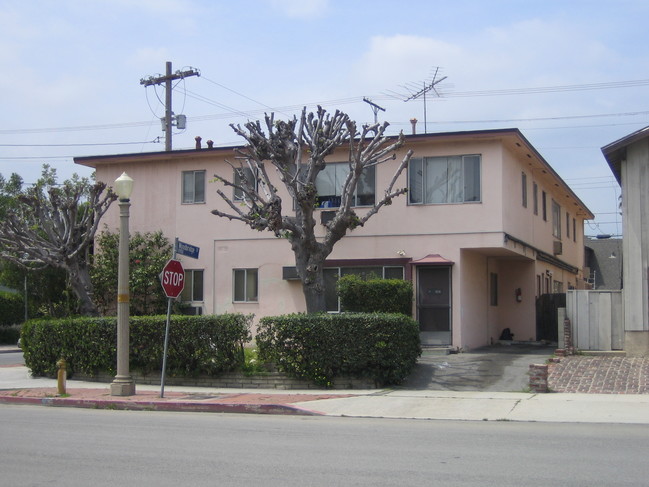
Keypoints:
pixel 498 368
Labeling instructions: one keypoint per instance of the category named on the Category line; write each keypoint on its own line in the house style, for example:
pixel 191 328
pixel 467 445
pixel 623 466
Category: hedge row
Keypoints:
pixel 12 308
pixel 320 347
pixel 198 345
pixel 9 335
pixel 375 295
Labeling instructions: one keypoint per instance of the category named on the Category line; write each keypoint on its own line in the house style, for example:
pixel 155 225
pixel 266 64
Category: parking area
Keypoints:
pixel 498 368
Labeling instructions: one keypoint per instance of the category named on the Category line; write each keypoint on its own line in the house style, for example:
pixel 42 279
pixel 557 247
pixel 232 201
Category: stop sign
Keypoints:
pixel 173 278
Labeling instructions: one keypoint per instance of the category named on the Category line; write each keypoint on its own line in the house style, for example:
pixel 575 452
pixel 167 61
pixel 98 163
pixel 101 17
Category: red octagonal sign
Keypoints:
pixel 173 278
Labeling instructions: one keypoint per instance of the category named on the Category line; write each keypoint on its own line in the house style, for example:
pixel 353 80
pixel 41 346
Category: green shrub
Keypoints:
pixel 320 347
pixel 12 308
pixel 375 295
pixel 198 345
pixel 9 335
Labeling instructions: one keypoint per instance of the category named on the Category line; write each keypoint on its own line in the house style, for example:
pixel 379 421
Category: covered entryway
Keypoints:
pixel 434 300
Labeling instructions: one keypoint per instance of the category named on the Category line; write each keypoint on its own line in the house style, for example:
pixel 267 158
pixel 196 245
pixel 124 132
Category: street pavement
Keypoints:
pixel 485 385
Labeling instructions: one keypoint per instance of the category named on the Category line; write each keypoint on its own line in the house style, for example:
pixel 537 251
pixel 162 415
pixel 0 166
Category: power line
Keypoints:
pixel 154 141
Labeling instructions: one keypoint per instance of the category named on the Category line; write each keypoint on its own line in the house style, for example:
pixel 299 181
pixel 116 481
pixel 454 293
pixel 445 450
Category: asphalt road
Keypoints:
pixel 11 358
pixel 72 447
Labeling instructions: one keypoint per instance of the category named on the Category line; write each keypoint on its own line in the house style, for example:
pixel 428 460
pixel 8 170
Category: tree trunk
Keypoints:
pixel 310 268
pixel 82 287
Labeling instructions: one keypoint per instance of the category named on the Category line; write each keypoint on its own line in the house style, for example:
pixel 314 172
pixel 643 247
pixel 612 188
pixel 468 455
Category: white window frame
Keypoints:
pixel 247 273
pixel 189 187
pixel 340 171
pixel 465 165
pixel 188 294
pixel 238 194
pixel 556 219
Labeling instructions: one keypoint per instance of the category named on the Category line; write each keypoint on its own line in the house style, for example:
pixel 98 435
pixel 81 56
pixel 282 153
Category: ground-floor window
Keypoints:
pixel 193 290
pixel 332 274
pixel 245 285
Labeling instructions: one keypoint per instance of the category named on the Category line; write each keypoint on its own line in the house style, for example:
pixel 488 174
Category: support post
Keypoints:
pixel 123 384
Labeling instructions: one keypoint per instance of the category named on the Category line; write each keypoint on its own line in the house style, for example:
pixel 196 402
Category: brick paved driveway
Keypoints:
pixel 602 375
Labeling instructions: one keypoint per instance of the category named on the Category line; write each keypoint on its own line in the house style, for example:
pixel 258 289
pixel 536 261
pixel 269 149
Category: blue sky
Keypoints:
pixel 572 76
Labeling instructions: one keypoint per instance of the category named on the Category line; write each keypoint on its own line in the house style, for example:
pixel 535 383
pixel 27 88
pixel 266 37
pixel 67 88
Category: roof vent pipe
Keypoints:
pixel 210 144
pixel 413 121
pixel 198 139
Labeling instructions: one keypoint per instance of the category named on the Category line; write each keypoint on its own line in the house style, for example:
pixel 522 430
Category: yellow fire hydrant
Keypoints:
pixel 61 376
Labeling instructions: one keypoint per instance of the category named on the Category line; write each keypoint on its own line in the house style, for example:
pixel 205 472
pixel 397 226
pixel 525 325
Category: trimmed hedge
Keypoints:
pixel 198 345
pixel 320 347
pixel 12 308
pixel 9 335
pixel 375 295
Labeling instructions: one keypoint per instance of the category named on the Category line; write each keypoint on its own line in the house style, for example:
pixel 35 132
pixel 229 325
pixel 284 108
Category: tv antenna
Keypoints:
pixel 426 87
pixel 375 108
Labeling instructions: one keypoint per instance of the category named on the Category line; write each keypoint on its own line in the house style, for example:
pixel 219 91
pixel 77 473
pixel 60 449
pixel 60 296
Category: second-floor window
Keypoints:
pixel 329 184
pixel 524 189
pixel 439 180
pixel 193 189
pixel 244 176
pixel 556 219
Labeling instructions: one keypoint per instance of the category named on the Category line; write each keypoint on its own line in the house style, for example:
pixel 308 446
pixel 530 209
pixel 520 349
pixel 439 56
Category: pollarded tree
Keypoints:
pixel 53 225
pixel 297 150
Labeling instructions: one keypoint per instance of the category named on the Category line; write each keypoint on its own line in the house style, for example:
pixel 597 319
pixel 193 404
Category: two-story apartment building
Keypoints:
pixel 486 226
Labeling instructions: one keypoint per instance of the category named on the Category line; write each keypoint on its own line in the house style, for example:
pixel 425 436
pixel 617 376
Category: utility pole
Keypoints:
pixel 167 79
pixel 375 109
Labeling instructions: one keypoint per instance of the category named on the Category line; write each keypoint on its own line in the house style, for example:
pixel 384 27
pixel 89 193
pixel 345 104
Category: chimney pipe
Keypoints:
pixel 198 142
pixel 413 121
pixel 210 144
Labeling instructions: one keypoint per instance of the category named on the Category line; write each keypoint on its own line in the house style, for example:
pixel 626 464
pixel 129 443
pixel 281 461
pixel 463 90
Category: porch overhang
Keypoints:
pixel 433 259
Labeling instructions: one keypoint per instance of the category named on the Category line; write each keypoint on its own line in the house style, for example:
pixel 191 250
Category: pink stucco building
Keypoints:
pixel 486 227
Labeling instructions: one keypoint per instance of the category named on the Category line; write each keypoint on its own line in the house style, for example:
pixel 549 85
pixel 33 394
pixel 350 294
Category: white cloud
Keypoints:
pixel 303 9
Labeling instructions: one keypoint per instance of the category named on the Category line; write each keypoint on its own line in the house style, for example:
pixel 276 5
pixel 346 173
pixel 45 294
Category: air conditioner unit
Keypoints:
pixel 289 273
pixel 557 248
pixel 193 311
pixel 326 216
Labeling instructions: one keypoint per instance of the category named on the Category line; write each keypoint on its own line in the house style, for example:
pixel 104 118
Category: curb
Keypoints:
pixel 177 406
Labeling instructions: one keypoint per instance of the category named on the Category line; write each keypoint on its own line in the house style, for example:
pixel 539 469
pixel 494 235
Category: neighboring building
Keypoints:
pixel 604 263
pixel 487 226
pixel 629 161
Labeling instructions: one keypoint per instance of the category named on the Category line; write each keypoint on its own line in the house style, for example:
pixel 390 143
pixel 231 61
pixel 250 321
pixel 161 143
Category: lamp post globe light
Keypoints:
pixel 123 384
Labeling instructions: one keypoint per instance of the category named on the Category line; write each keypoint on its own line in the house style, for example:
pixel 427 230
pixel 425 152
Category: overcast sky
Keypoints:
pixel 571 75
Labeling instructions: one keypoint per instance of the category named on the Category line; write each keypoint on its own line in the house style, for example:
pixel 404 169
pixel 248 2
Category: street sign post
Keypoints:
pixel 173 278
pixel 188 250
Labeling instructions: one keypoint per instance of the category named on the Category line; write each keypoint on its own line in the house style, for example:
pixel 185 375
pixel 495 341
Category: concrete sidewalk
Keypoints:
pixel 17 387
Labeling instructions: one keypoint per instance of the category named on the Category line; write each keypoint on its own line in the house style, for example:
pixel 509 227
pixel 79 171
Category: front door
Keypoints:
pixel 434 304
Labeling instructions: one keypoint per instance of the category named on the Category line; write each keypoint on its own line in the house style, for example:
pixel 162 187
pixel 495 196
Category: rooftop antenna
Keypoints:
pixel 375 108
pixel 430 86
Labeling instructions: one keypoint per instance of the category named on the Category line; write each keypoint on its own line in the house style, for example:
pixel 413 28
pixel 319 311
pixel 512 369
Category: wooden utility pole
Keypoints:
pixel 167 79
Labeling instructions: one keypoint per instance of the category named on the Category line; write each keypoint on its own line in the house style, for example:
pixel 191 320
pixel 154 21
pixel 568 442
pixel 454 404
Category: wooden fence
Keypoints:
pixel 597 319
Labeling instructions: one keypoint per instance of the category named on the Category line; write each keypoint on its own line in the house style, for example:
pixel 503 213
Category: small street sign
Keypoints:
pixel 187 250
pixel 173 278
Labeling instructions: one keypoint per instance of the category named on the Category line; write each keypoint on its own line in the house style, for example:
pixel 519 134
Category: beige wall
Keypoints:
pixel 471 235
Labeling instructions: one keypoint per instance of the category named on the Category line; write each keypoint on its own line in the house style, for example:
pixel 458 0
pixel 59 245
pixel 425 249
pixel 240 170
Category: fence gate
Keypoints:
pixel 546 316
pixel 597 319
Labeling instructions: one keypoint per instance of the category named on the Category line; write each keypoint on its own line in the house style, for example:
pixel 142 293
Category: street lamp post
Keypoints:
pixel 123 384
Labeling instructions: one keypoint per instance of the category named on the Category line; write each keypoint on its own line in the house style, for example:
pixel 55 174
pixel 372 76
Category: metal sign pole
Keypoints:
pixel 166 343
